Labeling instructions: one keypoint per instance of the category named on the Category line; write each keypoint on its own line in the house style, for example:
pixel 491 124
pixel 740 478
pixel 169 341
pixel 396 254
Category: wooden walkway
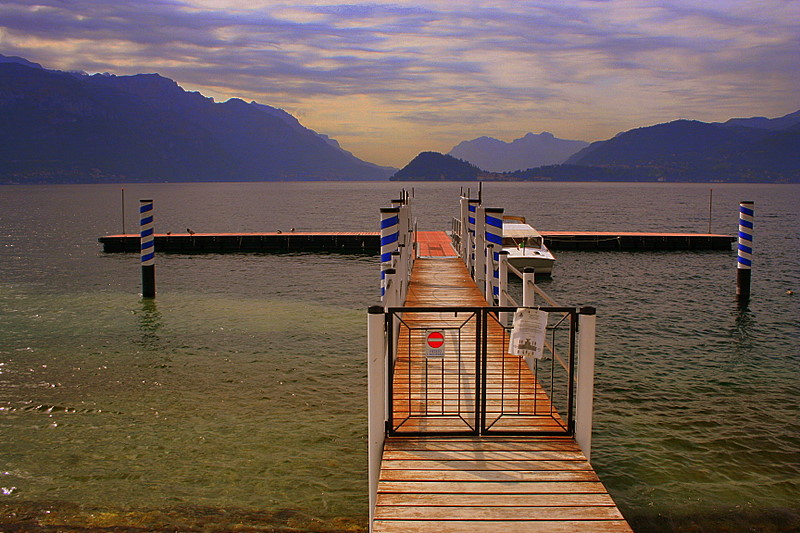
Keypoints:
pixel 472 483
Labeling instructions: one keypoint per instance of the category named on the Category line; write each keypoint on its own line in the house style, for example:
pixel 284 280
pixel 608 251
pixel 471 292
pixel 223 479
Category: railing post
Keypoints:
pixel 587 323
pixel 502 267
pixel 488 288
pixel 147 255
pixel 528 287
pixel 377 400
pixel 472 216
pixel 390 298
pixel 401 266
pixel 463 227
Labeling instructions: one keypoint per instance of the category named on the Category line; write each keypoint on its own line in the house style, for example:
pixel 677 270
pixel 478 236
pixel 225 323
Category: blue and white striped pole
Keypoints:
pixel 148 248
pixel 390 233
pixel 745 256
pixel 494 235
pixel 479 266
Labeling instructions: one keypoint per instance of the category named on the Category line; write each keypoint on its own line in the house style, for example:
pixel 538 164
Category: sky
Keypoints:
pixel 391 79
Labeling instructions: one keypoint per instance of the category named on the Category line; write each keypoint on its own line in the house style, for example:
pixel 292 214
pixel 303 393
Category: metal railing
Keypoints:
pixel 471 383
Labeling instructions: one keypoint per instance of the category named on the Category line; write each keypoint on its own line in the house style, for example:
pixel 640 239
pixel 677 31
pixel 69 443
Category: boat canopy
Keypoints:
pixel 515 234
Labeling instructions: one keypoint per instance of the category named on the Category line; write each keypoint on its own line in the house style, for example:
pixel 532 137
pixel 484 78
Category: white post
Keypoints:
pixel 390 296
pixel 376 394
pixel 464 229
pixel 528 287
pixel 587 323
pixel 405 223
pixel 488 288
pixel 505 318
pixel 472 217
pixel 399 260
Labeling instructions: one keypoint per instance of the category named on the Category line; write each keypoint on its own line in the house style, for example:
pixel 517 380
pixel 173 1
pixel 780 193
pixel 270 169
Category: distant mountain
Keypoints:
pixel 782 123
pixel 526 152
pixel 755 149
pixel 59 127
pixel 433 166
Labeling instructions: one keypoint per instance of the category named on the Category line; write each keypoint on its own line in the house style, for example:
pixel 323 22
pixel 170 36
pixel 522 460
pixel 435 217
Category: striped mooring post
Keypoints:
pixel 390 234
pixel 494 235
pixel 148 249
pixel 745 256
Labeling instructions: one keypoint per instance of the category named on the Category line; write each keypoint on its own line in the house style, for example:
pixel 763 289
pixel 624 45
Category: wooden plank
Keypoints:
pixel 486 512
pixel 483 487
pixel 489 465
pixel 487 475
pixel 493 526
pixel 427 499
pixel 527 445
pixel 469 455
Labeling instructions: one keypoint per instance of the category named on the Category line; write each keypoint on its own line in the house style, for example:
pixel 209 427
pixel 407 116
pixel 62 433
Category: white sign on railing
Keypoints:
pixel 528 334
pixel 434 343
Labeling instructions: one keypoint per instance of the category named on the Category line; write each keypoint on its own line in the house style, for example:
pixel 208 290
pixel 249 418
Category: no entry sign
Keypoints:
pixel 434 343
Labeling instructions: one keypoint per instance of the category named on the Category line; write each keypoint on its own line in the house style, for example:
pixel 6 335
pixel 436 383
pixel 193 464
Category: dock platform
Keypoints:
pixel 352 242
pixel 486 482
pixel 368 243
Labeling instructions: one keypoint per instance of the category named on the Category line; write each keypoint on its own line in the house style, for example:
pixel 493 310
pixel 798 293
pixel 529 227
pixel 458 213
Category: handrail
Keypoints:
pixel 536 288
pixel 515 270
pixel 544 295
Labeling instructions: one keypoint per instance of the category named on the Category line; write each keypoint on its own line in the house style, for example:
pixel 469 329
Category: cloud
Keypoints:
pixel 583 69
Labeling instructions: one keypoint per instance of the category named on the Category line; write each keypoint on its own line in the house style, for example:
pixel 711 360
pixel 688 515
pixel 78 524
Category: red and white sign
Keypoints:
pixel 434 343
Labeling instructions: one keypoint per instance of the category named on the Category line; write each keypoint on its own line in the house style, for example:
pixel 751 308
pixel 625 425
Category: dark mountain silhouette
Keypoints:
pixel 756 149
pixel 72 127
pixel 526 152
pixel 739 150
pixel 433 166
pixel 782 123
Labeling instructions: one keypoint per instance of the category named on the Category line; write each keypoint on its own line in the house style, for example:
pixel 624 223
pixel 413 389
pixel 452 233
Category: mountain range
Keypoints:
pixel 754 149
pixel 60 127
pixel 63 127
pixel 528 151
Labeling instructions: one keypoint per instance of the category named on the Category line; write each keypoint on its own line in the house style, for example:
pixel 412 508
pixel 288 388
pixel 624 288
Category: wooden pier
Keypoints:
pixel 366 242
pixel 476 483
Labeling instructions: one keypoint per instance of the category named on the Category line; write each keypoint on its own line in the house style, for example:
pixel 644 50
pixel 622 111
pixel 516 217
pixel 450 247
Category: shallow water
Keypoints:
pixel 237 399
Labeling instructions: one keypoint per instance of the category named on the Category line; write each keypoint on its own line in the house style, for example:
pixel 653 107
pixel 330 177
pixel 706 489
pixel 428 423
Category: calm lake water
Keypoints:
pixel 237 398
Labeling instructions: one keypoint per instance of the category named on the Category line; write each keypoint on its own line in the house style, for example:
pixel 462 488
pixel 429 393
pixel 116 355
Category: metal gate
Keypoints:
pixel 451 373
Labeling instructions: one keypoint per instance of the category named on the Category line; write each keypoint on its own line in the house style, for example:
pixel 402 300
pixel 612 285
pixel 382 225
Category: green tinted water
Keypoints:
pixel 237 399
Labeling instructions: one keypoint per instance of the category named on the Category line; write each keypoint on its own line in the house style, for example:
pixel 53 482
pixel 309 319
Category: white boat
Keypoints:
pixel 525 246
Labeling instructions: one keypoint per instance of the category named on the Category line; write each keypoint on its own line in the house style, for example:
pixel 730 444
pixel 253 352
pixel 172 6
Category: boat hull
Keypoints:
pixel 540 260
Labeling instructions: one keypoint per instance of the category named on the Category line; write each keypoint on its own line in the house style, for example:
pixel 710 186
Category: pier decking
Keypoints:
pixel 476 483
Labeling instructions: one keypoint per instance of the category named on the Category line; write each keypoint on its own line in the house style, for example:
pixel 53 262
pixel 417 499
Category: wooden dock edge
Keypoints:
pixel 368 243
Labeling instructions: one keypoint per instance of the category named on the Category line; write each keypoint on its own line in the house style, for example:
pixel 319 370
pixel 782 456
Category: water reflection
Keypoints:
pixel 742 333
pixel 150 323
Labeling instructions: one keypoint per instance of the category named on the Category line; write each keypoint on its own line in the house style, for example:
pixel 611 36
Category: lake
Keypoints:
pixel 237 398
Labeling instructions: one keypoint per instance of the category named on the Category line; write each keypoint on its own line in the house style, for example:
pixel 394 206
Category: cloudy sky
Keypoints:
pixel 389 79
